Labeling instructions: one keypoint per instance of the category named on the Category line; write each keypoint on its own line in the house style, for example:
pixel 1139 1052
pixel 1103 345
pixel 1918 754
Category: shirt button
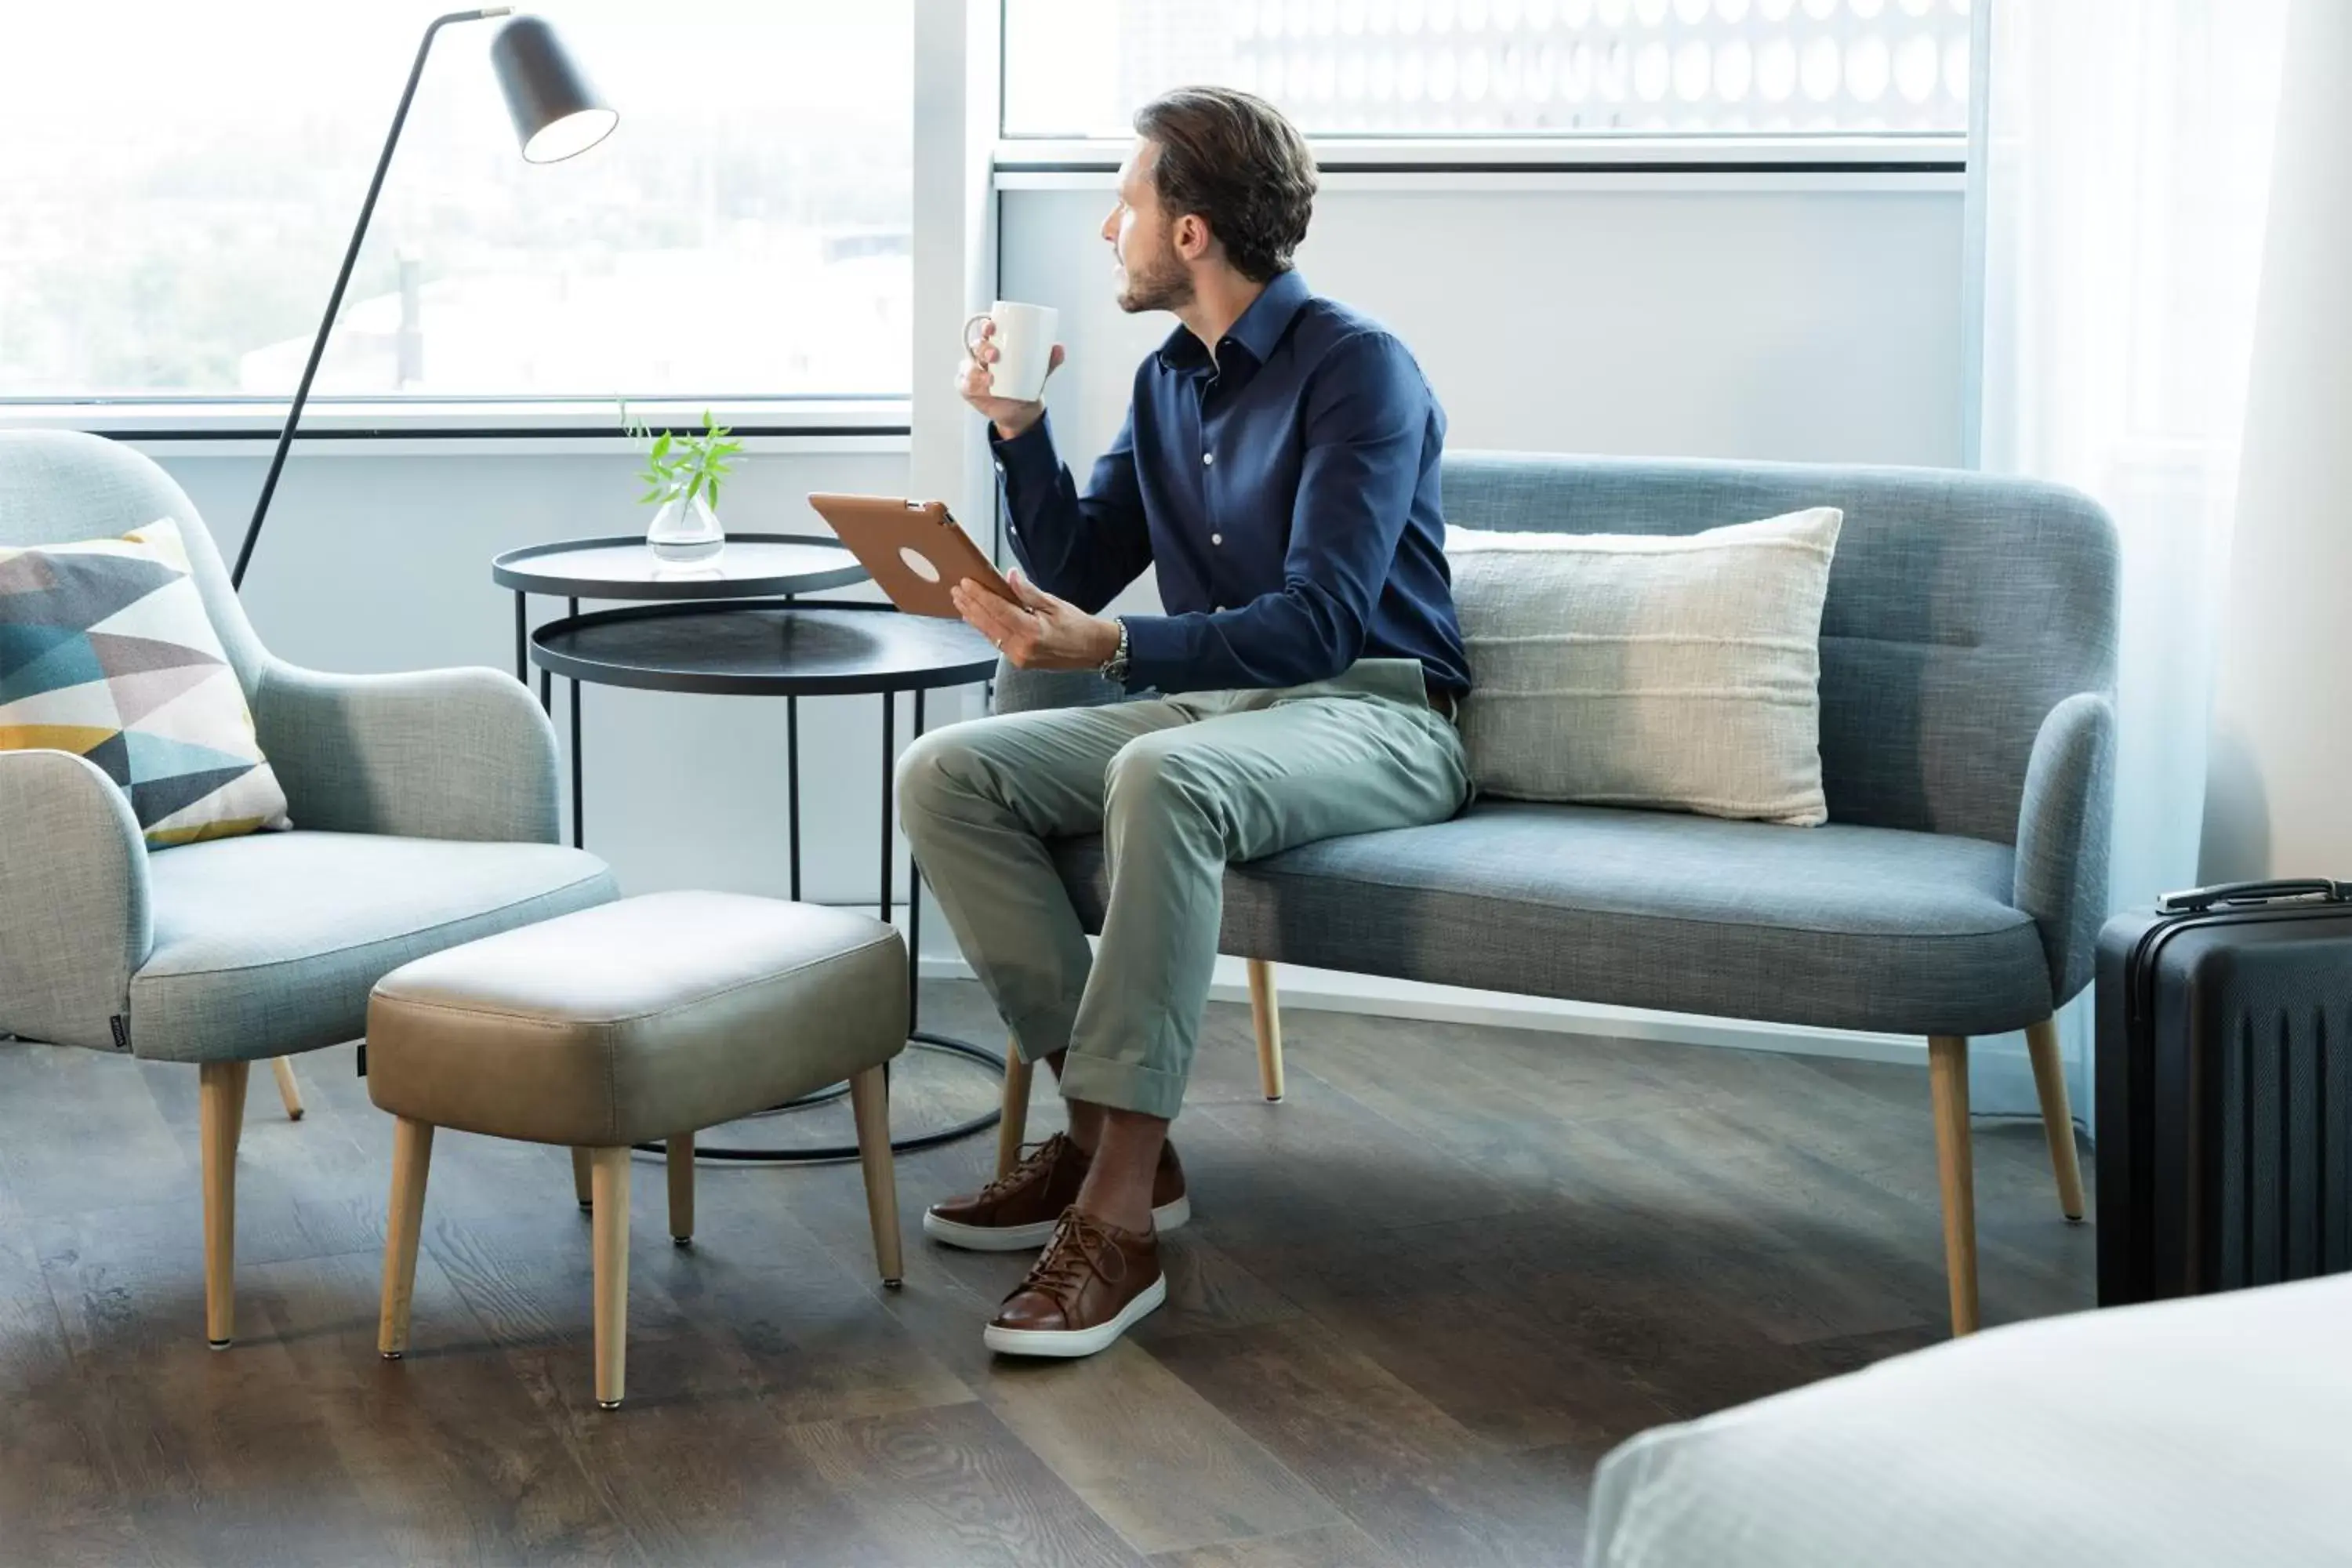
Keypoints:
pixel 1216 539
pixel 1207 458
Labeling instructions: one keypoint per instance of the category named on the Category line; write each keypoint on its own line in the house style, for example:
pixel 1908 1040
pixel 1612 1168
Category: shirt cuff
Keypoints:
pixel 1027 460
pixel 1158 653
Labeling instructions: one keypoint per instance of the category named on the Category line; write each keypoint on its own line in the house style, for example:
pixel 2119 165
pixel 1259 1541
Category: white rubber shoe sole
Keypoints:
pixel 1167 1216
pixel 1072 1343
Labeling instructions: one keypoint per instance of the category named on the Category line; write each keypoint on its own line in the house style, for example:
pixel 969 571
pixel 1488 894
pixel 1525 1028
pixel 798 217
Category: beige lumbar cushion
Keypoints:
pixel 1675 672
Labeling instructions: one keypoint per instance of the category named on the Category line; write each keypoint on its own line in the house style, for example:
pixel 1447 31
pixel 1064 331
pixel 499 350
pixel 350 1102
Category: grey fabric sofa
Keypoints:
pixel 1968 657
pixel 425 814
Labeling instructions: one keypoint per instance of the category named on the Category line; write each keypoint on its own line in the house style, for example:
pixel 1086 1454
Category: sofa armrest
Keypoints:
pixel 447 754
pixel 75 922
pixel 1021 691
pixel 2063 827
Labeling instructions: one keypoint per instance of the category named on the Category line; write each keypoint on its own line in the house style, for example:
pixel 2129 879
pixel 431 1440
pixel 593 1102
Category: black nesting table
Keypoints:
pixel 753 566
pixel 740 628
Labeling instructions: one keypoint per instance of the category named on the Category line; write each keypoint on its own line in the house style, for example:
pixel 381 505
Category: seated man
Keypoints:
pixel 1279 468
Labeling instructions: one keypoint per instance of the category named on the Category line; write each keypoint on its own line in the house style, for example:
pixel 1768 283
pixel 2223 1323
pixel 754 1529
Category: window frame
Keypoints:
pixel 1586 152
pixel 236 426
pixel 1499 161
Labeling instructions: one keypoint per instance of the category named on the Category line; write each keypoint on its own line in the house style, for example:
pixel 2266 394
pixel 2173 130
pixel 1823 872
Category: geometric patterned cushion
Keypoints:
pixel 106 652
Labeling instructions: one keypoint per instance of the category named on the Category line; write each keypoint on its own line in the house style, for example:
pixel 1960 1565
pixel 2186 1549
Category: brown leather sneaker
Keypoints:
pixel 1019 1209
pixel 1093 1282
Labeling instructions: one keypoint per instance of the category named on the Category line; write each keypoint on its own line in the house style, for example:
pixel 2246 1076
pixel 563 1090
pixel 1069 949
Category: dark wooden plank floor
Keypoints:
pixel 1421 1300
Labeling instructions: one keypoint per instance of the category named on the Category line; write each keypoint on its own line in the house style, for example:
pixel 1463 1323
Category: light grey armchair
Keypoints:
pixel 425 815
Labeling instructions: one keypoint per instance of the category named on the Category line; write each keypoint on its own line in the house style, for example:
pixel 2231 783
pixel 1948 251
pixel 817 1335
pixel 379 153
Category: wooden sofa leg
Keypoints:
pixel 2057 1116
pixel 678 1154
pixel 220 1108
pixel 581 1186
pixel 609 1173
pixel 289 1090
pixel 403 1227
pixel 1948 1084
pixel 1266 1013
pixel 869 1101
pixel 1014 1122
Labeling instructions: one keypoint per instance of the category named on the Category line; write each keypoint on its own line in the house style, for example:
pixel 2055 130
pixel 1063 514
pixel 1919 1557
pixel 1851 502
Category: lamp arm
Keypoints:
pixel 343 280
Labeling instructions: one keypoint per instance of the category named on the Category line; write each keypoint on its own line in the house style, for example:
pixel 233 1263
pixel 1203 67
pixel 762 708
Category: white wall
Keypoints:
pixel 381 563
pixel 1819 324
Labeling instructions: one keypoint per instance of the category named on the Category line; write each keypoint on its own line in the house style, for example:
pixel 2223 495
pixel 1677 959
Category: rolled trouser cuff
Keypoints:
pixel 1122 1086
pixel 1037 1036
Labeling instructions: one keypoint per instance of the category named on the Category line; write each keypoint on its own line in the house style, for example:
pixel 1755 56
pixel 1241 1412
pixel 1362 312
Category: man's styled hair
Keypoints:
pixel 1232 159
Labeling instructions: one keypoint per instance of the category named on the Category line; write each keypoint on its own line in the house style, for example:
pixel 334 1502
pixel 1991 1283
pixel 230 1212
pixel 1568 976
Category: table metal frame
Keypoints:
pixel 531 649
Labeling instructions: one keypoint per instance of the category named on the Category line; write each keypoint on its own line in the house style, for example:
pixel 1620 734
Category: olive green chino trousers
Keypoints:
pixel 1178 786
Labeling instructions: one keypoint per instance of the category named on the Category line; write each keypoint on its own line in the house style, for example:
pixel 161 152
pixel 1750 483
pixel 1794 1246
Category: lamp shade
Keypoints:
pixel 556 111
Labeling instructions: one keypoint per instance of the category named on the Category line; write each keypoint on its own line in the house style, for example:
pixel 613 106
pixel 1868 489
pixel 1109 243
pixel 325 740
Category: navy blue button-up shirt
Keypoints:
pixel 1286 490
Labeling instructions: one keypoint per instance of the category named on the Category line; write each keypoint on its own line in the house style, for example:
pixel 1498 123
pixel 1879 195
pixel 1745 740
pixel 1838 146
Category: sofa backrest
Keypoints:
pixel 58 487
pixel 1962 607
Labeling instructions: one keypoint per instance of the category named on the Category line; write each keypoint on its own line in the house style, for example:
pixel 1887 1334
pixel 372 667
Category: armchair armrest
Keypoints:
pixel 1020 690
pixel 75 922
pixel 2062 828
pixel 447 754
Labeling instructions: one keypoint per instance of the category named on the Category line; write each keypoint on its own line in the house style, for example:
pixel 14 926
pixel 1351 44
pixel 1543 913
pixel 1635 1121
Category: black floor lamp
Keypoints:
pixel 556 115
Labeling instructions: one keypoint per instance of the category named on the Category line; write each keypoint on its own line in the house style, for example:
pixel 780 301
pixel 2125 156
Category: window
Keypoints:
pixel 1080 67
pixel 178 179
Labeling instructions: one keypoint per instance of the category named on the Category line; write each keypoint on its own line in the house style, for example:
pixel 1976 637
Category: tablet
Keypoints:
pixel 916 551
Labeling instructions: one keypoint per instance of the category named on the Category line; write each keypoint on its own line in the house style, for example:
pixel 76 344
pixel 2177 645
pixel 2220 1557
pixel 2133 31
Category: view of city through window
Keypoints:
pixel 170 224
pixel 1080 67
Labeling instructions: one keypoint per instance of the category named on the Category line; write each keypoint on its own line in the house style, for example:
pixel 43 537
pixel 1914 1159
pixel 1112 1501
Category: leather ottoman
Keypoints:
pixel 649 1018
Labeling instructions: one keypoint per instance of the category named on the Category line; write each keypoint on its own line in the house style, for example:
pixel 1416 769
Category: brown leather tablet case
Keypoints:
pixel 915 550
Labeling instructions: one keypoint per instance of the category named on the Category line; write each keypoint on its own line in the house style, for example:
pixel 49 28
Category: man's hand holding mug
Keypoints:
pixel 1009 352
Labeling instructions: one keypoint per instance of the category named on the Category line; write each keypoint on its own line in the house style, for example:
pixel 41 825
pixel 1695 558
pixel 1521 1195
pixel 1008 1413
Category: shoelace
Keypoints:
pixel 1036 1158
pixel 1080 1246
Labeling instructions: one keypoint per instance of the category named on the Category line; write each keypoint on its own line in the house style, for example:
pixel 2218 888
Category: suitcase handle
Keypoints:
pixel 2199 899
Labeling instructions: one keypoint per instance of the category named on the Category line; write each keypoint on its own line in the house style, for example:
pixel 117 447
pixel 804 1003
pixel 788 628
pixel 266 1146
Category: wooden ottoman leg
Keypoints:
pixel 1266 1013
pixel 579 1184
pixel 289 1091
pixel 609 1171
pixel 1948 1084
pixel 870 1098
pixel 678 1152
pixel 220 1108
pixel 1015 1121
pixel 412 1157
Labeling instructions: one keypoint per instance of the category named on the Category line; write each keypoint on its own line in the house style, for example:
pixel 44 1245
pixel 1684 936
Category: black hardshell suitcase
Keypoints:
pixel 2225 1090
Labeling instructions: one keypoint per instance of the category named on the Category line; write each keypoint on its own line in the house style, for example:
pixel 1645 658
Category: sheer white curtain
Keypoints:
pixel 2122 168
pixel 2275 798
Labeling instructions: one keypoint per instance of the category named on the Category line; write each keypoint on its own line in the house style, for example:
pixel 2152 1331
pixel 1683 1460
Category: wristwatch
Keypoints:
pixel 1114 669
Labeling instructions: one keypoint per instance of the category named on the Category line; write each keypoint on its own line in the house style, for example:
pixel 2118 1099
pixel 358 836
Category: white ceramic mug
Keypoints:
pixel 1025 347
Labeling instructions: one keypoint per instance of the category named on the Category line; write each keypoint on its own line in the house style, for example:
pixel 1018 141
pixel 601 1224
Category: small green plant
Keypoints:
pixel 681 466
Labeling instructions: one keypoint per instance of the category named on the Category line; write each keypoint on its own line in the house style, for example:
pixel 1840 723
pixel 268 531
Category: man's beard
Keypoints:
pixel 1166 284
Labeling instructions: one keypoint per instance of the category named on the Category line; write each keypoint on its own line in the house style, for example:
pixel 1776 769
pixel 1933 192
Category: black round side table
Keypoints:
pixel 752 566
pixel 741 631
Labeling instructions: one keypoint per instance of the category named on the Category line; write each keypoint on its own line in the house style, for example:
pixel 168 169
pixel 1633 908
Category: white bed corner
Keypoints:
pixel 2211 1431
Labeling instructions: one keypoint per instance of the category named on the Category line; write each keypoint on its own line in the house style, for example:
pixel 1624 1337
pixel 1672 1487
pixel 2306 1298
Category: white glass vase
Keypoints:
pixel 685 532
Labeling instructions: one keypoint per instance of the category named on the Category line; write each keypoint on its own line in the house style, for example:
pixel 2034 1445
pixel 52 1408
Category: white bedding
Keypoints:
pixel 2210 1432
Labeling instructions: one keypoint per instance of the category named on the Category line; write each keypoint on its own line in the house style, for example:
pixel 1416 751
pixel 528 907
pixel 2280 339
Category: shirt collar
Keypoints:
pixel 1258 331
